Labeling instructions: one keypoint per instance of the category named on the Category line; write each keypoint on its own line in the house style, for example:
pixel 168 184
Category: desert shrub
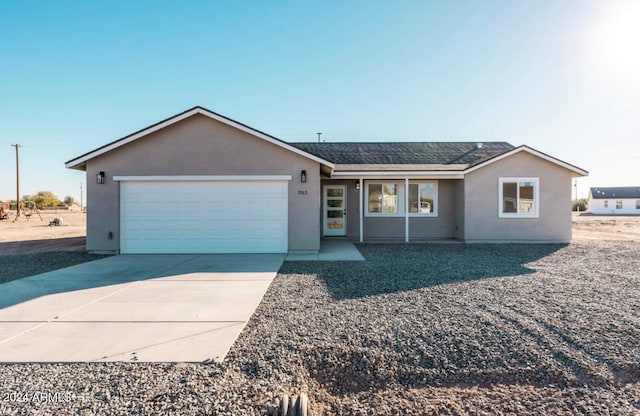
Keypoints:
pixel 579 204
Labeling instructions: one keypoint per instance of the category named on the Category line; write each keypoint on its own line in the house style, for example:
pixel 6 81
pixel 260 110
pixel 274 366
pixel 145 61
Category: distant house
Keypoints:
pixel 199 182
pixel 615 200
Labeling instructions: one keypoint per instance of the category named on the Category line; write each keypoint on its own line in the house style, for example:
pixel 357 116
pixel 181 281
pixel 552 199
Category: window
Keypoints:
pixel 423 198
pixel 382 198
pixel 637 203
pixel 619 204
pixel 518 197
pixel 606 203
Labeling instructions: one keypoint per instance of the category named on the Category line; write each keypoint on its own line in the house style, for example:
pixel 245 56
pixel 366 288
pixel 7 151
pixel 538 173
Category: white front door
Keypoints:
pixel 334 210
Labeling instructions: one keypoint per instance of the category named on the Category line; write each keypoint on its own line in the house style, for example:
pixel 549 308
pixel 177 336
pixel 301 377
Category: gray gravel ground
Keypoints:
pixel 14 267
pixel 416 329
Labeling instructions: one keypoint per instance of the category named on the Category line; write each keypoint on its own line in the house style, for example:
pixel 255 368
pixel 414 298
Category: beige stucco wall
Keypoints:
pixel 481 202
pixel 458 208
pixel 201 146
pixel 442 226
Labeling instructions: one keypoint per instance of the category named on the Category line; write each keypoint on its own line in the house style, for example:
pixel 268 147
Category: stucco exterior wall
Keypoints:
pixel 442 226
pixel 201 146
pixel 393 228
pixel 481 202
pixel 458 209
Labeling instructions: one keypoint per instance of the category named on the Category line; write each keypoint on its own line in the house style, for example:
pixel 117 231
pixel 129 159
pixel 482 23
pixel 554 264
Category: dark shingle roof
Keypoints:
pixel 401 153
pixel 616 192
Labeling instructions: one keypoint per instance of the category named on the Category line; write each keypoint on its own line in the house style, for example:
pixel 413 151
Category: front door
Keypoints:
pixel 334 210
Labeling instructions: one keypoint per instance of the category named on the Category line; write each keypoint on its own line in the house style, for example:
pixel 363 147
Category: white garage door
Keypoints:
pixel 203 217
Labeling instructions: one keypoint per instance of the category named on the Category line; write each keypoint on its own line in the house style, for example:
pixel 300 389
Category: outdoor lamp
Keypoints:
pixel 357 185
pixel 100 177
pixel 303 176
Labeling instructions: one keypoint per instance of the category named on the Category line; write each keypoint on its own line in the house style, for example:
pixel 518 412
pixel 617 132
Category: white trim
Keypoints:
pixel 75 162
pixel 325 231
pixel 203 178
pixel 536 196
pixel 361 208
pixel 198 110
pixel 435 198
pixel 406 210
pixel 534 152
pixel 222 247
pixel 399 175
pixel 399 199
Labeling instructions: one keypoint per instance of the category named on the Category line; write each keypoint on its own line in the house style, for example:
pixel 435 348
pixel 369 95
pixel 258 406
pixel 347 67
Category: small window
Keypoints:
pixel 606 203
pixel 423 198
pixel 637 203
pixel 383 198
pixel 518 197
pixel 619 204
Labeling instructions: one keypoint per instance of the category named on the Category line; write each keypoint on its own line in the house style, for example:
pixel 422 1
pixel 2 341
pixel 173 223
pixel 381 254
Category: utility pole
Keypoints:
pixel 17 146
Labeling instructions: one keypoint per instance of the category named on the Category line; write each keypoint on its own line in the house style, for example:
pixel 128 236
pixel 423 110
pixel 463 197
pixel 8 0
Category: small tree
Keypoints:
pixel 43 199
pixel 579 205
pixel 68 200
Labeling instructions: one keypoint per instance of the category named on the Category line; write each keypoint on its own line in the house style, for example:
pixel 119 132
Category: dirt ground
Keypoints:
pixel 587 227
pixel 28 236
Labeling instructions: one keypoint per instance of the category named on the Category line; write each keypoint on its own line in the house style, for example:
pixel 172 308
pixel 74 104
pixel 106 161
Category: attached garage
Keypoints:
pixel 208 214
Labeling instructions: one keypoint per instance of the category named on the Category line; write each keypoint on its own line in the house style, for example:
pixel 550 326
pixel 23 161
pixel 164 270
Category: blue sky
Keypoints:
pixel 560 76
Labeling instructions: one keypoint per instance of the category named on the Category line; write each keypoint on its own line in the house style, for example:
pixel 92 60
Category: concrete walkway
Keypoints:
pixel 338 249
pixel 134 308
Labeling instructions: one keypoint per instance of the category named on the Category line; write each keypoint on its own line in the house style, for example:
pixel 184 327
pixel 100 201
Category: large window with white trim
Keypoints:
pixel 383 198
pixel 423 198
pixel 518 198
pixel 391 198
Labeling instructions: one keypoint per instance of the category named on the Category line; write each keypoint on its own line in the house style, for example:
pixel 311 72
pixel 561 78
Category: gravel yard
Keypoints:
pixel 449 329
pixel 23 265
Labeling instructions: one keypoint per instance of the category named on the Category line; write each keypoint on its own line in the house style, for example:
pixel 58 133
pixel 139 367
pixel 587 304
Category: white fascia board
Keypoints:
pixel 265 137
pixel 399 175
pixel 130 139
pixel 574 169
pixel 180 117
pixel 204 178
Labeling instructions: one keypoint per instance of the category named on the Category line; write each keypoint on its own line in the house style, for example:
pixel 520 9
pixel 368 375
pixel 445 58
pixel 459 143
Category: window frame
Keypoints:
pixel 400 198
pixel 637 203
pixel 518 180
pixel 619 204
pixel 435 198
pixel 605 204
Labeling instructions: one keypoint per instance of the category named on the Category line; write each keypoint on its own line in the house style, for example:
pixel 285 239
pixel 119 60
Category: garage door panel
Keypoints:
pixel 204 217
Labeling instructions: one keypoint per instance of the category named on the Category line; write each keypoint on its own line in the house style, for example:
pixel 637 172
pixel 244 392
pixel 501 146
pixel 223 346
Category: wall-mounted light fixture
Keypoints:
pixel 357 185
pixel 100 177
pixel 303 176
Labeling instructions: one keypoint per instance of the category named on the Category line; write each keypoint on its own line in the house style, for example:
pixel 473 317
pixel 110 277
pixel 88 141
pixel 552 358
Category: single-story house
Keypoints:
pixel 614 200
pixel 199 182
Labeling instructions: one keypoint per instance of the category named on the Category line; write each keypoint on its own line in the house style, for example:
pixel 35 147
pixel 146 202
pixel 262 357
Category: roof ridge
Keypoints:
pixel 475 142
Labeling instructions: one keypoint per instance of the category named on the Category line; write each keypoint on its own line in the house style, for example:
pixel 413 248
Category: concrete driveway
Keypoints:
pixel 134 308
